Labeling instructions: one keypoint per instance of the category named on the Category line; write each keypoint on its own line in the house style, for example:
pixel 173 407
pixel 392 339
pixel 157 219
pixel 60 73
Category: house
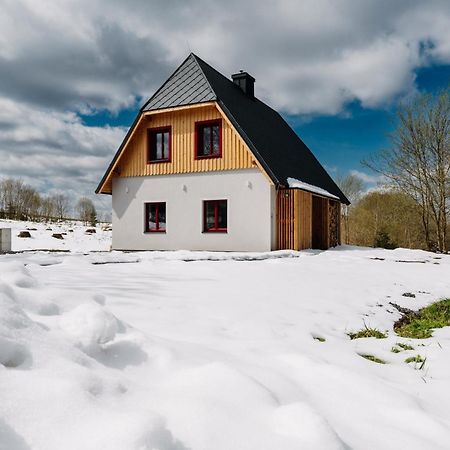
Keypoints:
pixel 208 166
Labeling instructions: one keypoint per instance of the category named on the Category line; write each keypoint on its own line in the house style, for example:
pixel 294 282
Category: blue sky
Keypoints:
pixel 340 142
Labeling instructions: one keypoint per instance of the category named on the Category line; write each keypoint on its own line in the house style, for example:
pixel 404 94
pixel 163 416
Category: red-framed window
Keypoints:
pixel 155 217
pixel 215 216
pixel 159 144
pixel 208 139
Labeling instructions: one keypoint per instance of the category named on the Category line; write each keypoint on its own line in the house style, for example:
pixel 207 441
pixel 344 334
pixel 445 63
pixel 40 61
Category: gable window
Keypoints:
pixel 155 217
pixel 158 144
pixel 208 139
pixel 215 216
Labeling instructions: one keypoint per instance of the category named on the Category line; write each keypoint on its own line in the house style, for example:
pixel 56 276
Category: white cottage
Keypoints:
pixel 208 166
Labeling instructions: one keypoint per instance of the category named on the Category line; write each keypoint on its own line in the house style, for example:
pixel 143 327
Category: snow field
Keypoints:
pixel 206 351
pixel 57 384
pixel 41 236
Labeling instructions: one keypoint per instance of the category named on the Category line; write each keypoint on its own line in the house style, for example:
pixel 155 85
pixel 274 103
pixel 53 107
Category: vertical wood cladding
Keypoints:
pixel 235 155
pixel 294 219
pixel 286 224
pixel 305 220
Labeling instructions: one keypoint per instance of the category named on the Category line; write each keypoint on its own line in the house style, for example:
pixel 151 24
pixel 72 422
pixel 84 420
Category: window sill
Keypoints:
pixel 215 231
pixel 155 231
pixel 208 157
pixel 157 161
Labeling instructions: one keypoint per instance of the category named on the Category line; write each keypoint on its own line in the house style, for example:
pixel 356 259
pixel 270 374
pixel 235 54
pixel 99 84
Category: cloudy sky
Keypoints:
pixel 73 73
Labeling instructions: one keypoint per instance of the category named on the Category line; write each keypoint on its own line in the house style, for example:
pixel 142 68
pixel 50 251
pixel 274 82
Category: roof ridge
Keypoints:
pixel 166 82
pixel 197 59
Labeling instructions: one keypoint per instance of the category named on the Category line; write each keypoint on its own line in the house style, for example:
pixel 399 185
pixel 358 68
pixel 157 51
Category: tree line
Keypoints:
pixel 411 208
pixel 20 201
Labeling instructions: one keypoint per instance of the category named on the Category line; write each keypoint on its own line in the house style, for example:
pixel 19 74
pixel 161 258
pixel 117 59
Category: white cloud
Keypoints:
pixel 370 179
pixel 309 57
pixel 54 151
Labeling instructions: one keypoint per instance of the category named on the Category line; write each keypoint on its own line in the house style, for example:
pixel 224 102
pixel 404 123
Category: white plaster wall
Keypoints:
pixel 250 211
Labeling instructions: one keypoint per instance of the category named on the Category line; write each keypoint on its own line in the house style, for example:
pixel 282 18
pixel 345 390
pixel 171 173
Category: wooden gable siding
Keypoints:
pixel 235 155
pixel 305 220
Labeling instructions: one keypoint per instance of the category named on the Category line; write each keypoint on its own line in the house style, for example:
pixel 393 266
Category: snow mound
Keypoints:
pixel 12 354
pixel 90 326
pixel 300 421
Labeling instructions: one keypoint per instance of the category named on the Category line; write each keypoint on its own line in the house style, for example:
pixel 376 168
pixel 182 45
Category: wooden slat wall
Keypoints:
pixel 235 155
pixel 287 238
pixel 305 219
pixel 294 224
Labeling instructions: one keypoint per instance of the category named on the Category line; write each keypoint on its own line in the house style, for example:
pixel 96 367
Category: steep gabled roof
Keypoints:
pixel 274 143
pixel 186 86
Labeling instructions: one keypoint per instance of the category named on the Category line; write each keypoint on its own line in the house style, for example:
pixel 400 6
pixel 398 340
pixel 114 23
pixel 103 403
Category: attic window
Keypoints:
pixel 208 139
pixel 158 144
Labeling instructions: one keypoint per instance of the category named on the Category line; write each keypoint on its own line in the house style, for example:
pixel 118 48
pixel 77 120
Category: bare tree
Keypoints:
pixel 418 162
pixel 353 187
pixel 48 209
pixel 18 200
pixel 86 210
pixel 61 202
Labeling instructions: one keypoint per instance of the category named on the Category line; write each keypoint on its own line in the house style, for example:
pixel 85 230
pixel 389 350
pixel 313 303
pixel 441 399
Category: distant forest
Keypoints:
pixel 20 201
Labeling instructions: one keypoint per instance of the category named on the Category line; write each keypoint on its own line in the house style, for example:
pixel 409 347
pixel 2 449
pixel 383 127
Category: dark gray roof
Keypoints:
pixel 273 142
pixel 186 86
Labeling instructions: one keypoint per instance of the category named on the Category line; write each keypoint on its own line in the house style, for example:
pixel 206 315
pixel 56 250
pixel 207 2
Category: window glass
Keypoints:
pixel 215 140
pixel 162 216
pixel 166 145
pixel 210 215
pixel 206 150
pixel 222 214
pixel 159 146
pixel 152 217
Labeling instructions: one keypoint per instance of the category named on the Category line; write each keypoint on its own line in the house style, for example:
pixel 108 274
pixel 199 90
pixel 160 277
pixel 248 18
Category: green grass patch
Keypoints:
pixel 367 332
pixel 372 358
pixel 319 338
pixel 419 325
pixel 399 347
pixel 418 361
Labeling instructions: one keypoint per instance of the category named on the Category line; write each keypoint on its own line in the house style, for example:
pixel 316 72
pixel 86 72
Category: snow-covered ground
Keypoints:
pixel 175 351
pixel 75 238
